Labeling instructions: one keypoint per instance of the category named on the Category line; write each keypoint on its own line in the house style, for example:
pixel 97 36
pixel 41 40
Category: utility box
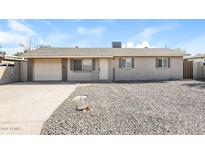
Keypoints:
pixel 116 45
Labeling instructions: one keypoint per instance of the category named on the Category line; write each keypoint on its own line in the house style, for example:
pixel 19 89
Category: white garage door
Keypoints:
pixel 47 69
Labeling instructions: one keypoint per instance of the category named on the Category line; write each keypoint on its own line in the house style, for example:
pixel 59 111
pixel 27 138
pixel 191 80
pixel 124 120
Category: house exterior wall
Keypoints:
pixel 110 69
pixel 145 69
pixel 64 69
pixel 10 74
pixel 23 71
pixel 30 70
pixel 83 76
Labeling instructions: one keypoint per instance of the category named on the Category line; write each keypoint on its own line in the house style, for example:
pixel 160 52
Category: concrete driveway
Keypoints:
pixel 25 106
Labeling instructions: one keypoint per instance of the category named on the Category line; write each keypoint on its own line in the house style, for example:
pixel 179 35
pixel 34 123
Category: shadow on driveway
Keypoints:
pixel 43 83
pixel 200 84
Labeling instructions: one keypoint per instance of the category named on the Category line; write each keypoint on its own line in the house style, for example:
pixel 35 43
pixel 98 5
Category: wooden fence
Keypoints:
pixel 187 69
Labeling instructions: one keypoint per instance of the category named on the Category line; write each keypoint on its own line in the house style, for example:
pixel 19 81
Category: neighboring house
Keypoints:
pixel 12 69
pixel 104 64
pixel 199 57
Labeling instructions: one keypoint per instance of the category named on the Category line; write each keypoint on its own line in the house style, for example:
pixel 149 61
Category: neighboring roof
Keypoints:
pixel 197 56
pixel 100 52
pixel 13 58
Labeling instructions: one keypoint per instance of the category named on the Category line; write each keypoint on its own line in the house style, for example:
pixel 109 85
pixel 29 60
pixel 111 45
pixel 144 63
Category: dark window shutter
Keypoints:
pixel 120 62
pixel 71 65
pixel 93 62
pixel 157 62
pixel 133 65
pixel 169 65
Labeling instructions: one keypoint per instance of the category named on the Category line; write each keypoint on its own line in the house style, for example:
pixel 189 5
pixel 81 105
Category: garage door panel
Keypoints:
pixel 47 69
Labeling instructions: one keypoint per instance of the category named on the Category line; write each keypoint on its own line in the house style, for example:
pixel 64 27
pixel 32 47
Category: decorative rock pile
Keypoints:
pixel 82 103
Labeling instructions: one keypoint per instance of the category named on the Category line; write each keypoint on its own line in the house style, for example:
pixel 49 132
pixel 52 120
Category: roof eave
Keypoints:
pixel 160 55
pixel 29 57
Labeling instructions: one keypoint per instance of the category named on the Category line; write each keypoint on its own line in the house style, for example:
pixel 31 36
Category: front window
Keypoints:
pixel 77 65
pixel 163 62
pixel 87 64
pixel 82 64
pixel 126 63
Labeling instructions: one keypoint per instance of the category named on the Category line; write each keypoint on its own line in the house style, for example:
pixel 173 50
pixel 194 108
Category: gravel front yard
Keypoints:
pixel 173 107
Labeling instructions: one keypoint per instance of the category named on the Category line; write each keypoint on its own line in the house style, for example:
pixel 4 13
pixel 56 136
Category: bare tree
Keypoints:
pixel 180 49
pixel 28 45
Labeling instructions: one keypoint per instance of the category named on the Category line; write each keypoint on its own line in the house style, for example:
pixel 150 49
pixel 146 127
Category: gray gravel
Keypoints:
pixel 173 107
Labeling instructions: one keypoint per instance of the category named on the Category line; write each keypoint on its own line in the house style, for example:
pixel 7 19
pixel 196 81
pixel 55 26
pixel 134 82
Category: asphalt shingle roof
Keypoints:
pixel 100 52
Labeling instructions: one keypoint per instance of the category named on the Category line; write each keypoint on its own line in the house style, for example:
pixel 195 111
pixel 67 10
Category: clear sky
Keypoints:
pixel 185 34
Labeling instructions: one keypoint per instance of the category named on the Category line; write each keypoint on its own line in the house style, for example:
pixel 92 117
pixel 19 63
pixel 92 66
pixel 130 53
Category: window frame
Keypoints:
pixel 83 66
pixel 74 65
pixel 163 63
pixel 126 65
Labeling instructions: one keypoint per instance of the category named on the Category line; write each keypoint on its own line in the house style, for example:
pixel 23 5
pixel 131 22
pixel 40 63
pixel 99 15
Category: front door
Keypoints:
pixel 103 64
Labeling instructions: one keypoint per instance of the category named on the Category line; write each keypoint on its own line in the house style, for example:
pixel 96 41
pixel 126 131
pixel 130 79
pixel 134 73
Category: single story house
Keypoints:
pixel 104 64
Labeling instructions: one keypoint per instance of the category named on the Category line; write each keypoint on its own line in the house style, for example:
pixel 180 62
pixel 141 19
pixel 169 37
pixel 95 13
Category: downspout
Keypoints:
pixel 113 70
pixel 19 71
